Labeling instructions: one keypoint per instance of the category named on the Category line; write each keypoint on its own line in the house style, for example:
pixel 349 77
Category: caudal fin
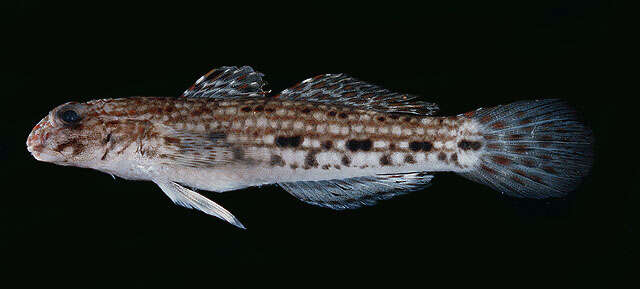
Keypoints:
pixel 533 149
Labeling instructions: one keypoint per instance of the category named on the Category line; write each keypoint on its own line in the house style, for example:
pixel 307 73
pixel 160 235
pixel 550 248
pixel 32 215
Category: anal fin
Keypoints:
pixel 192 200
pixel 351 193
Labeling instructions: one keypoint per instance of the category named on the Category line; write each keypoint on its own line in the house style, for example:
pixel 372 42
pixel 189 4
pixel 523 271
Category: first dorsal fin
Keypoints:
pixel 345 90
pixel 228 82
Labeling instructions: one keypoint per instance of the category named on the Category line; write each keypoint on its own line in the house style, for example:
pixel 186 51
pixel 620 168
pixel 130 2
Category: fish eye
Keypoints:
pixel 69 116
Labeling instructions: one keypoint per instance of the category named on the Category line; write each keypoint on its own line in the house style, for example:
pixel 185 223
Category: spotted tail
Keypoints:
pixel 533 149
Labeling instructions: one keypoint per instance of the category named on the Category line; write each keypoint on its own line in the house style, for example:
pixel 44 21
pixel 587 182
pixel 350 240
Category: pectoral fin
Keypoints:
pixel 192 200
pixel 203 149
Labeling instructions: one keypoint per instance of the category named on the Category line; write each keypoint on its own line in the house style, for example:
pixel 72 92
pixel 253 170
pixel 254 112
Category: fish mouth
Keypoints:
pixel 36 142
pixel 46 155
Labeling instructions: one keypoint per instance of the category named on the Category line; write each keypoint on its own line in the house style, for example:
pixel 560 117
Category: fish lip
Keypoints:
pixel 46 155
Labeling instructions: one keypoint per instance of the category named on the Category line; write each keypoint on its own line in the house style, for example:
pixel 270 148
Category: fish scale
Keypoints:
pixel 330 140
pixel 319 130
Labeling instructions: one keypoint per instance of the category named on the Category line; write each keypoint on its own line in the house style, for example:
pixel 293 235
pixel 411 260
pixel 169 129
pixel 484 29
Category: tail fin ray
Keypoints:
pixel 535 149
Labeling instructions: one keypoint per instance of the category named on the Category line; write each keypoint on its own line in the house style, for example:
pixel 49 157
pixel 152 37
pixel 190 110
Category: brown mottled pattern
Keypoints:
pixel 249 120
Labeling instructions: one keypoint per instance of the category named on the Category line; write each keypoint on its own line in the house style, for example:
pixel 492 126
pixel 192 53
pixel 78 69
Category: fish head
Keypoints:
pixel 71 134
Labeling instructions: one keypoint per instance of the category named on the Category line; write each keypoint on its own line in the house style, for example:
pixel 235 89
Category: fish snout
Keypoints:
pixel 36 142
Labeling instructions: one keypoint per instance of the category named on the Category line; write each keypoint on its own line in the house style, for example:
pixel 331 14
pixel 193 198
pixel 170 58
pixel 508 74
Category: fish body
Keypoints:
pixel 330 140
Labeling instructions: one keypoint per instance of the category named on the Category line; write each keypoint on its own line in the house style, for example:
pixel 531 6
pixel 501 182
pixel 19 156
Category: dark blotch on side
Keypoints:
pixel 238 153
pixel 469 145
pixel 276 160
pixel 442 156
pixel 356 145
pixel 346 161
pixel 310 160
pixel 417 146
pixel 409 159
pixel 246 109
pixel 385 160
pixel 288 141
pixel 216 136
pixel 327 145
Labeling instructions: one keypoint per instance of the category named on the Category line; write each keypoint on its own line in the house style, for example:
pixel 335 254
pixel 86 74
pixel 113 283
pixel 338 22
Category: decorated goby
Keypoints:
pixel 330 140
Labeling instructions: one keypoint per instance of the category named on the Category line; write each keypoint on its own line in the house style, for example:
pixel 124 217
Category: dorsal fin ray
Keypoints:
pixel 228 82
pixel 348 91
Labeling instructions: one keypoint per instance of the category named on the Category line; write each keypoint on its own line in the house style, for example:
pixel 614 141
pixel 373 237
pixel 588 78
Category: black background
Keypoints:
pixel 88 229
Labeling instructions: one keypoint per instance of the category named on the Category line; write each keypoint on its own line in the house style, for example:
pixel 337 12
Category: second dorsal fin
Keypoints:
pixel 345 90
pixel 228 82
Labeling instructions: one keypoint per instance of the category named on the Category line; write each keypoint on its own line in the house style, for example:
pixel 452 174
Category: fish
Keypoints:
pixel 331 140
